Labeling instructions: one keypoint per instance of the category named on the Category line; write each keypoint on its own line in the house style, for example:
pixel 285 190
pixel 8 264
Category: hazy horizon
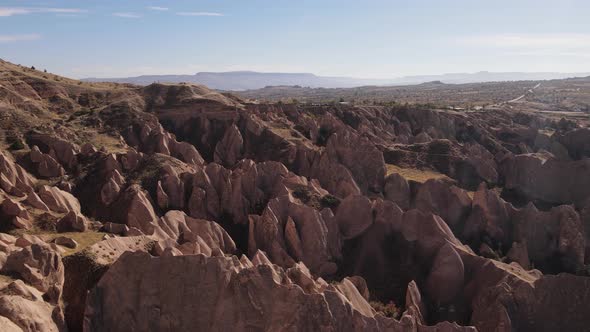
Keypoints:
pixel 375 39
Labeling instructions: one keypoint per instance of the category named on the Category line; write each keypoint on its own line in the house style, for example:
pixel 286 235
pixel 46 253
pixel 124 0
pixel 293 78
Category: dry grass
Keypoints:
pixel 413 174
pixel 546 131
pixel 111 144
pixel 84 239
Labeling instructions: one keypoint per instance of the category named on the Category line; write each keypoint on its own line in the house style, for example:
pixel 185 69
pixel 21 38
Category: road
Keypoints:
pixel 524 95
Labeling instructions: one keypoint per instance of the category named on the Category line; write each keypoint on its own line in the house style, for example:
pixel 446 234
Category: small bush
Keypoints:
pixel 47 222
pixel 17 145
pixel 302 193
pixel 329 201
pixel 388 310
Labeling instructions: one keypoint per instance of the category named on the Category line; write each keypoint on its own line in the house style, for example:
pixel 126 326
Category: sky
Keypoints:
pixel 361 38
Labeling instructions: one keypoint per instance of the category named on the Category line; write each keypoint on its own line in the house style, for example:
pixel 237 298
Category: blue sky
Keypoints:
pixel 362 38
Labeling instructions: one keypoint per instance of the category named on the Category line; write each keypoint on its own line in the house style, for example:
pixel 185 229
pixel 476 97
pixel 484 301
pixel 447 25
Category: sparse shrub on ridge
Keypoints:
pixel 388 310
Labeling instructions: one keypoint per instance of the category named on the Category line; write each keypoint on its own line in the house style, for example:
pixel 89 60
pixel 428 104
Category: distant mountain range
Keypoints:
pixel 248 80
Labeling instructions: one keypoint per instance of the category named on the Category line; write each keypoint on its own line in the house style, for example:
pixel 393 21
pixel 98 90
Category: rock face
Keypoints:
pixel 397 190
pixel 22 308
pixel 13 178
pixel 58 200
pixel 134 209
pixel 41 267
pixel 363 160
pixel 564 182
pixel 46 166
pixel 448 201
pixel 229 150
pixel 245 295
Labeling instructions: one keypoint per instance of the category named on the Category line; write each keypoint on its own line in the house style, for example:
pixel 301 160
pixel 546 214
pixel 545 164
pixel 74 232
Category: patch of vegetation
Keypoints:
pixel 302 193
pixel 18 144
pixel 84 111
pixel 388 310
pixel 47 222
pixel 329 201
pixel 323 135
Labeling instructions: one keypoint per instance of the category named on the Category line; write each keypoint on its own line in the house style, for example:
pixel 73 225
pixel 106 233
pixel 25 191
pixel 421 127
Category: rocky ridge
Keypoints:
pixel 290 217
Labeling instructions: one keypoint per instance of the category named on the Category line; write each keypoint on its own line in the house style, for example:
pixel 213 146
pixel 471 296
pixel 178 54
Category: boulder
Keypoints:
pixel 114 228
pixel 72 222
pixel 11 208
pixel 66 242
pixel 58 200
pixel 35 201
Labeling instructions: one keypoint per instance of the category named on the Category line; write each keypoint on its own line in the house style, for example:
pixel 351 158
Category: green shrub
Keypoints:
pixel 302 193
pixel 388 310
pixel 329 201
pixel 17 145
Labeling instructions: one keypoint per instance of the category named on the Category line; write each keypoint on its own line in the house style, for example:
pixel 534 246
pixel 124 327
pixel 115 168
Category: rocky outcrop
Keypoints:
pixel 563 182
pixel 41 267
pixel 308 242
pixel 577 142
pixel 72 222
pixel 397 190
pixel 229 150
pixel 244 295
pixel 13 178
pixel 22 308
pixel 450 202
pixel 134 209
pixel 60 150
pixel 489 219
pixel 193 236
pixel 45 165
pixel 554 239
pixel 358 155
pixel 58 200
pixel 85 268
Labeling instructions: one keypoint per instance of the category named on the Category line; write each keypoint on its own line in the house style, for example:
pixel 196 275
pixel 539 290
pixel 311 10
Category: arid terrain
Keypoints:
pixel 553 95
pixel 173 207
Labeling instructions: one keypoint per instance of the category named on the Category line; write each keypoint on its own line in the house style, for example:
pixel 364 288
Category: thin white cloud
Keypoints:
pixel 157 8
pixel 11 11
pixel 127 15
pixel 562 40
pixel 199 14
pixel 17 38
